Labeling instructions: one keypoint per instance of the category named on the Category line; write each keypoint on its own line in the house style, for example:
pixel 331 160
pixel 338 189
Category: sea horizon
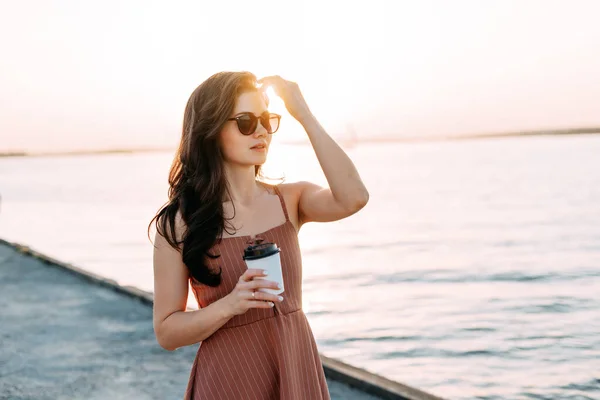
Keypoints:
pixel 341 140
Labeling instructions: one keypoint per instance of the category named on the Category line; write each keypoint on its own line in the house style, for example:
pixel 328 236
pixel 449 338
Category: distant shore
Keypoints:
pixel 544 132
pixel 547 132
pixel 83 152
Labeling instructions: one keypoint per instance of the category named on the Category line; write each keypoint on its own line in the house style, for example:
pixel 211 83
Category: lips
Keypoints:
pixel 259 146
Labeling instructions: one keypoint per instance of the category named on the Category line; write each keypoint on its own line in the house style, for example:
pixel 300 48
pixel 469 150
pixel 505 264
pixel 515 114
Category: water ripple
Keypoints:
pixel 343 341
pixel 589 386
pixel 454 277
pixel 433 352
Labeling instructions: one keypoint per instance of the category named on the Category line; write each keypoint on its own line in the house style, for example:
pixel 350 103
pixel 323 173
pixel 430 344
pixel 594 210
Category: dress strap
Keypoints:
pixel 287 217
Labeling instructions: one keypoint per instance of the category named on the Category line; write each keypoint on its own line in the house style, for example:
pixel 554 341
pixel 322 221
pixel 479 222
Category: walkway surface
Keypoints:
pixel 63 337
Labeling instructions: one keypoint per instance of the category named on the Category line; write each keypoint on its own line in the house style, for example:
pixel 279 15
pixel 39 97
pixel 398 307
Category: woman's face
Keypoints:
pixel 238 148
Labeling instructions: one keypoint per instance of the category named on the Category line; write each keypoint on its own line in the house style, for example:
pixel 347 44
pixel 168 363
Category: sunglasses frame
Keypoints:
pixel 256 120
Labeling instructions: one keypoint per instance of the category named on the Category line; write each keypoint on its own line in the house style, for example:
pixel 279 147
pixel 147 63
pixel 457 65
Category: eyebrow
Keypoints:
pixel 249 112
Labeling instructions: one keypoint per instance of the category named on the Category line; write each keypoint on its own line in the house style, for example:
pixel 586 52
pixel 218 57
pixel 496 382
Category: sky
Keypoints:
pixel 78 75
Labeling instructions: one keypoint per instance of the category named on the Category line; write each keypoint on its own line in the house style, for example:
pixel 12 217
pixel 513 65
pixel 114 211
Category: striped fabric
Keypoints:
pixel 264 354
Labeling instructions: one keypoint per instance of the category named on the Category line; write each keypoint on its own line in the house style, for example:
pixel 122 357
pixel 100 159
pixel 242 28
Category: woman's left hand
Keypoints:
pixel 290 94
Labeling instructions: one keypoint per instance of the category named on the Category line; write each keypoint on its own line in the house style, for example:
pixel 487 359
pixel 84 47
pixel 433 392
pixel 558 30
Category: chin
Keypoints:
pixel 260 158
pixel 261 162
pixel 254 161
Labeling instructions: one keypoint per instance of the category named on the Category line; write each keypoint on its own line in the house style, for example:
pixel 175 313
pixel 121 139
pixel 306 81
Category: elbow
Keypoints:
pixel 364 199
pixel 360 202
pixel 165 345
pixel 163 339
pixel 355 205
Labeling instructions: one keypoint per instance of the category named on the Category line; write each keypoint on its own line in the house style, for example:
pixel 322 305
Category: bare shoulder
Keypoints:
pixel 180 228
pixel 314 203
pixel 291 195
pixel 292 189
pixel 295 189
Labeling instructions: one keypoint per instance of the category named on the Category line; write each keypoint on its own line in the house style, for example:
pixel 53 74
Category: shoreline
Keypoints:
pixel 511 134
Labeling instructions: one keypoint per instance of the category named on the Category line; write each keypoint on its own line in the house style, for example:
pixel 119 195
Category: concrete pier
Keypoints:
pixel 68 334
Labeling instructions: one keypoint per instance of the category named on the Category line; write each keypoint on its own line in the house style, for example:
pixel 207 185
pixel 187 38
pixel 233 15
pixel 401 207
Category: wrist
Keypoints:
pixel 224 308
pixel 305 117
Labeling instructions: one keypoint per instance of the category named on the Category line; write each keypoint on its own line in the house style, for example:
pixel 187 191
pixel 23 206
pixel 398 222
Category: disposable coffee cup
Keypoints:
pixel 266 256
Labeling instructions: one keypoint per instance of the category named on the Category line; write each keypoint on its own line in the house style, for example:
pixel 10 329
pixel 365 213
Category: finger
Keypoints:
pixel 266 79
pixel 273 80
pixel 262 283
pixel 260 304
pixel 243 285
pixel 266 297
pixel 251 273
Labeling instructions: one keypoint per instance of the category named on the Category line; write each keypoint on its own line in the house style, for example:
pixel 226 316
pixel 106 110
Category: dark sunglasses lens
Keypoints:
pixel 274 122
pixel 247 124
pixel 270 122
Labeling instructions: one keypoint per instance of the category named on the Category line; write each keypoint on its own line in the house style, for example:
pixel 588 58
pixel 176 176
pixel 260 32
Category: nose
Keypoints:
pixel 260 130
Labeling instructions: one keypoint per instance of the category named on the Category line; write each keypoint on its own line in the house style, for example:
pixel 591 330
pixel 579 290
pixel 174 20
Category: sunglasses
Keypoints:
pixel 247 122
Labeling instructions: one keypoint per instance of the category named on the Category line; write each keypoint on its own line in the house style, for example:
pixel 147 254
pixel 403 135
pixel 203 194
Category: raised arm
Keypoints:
pixel 346 193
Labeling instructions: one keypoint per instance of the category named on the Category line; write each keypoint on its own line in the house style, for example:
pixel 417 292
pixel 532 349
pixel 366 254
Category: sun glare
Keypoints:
pixel 276 105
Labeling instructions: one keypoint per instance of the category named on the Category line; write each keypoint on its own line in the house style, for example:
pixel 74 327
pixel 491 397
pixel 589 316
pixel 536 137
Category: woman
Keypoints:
pixel 254 345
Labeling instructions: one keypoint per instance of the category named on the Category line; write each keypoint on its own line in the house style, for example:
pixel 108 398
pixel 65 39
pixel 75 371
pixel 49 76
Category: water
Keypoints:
pixel 473 272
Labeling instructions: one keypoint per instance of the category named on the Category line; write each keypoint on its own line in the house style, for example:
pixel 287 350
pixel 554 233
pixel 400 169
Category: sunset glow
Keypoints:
pixel 79 75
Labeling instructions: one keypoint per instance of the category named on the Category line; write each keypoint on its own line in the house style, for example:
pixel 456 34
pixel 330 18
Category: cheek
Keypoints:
pixel 231 143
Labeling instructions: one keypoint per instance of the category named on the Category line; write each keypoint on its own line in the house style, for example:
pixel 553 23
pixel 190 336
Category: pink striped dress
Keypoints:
pixel 264 354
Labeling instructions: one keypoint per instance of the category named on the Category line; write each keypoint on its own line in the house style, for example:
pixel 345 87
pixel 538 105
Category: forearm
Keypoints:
pixel 341 174
pixel 185 328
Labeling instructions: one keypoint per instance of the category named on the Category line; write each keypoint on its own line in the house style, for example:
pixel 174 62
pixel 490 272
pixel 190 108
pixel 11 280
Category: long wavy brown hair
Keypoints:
pixel 197 182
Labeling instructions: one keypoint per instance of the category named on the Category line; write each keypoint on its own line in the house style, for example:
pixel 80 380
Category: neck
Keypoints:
pixel 243 188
